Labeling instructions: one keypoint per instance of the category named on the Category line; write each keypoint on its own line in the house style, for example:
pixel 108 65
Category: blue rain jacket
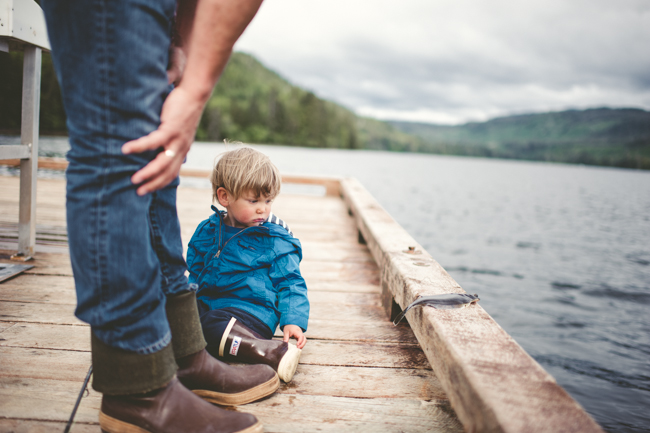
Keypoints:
pixel 257 270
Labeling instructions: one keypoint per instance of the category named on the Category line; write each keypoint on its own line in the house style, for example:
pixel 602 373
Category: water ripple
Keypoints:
pixel 618 294
pixel 591 369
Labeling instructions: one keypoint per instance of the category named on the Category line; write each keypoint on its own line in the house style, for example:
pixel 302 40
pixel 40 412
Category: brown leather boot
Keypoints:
pixel 241 344
pixel 207 377
pixel 171 409
pixel 224 384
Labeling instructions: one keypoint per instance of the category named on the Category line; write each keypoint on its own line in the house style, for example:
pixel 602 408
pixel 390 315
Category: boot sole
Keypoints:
pixel 289 363
pixel 244 397
pixel 108 424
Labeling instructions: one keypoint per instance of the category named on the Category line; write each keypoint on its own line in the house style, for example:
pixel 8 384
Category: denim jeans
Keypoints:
pixel 110 58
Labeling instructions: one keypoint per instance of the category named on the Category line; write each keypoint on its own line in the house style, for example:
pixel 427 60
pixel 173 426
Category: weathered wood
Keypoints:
pixel 355 330
pixel 62 314
pixel 337 414
pixel 44 363
pixel 358 372
pixel 28 426
pixel 76 337
pixel 364 273
pixel 346 313
pixel 338 286
pixel 45 263
pixel 29 288
pixel 362 354
pixel 330 183
pixel 46 399
pixel 335 252
pixel 492 383
pixel 5 325
pixel 355 382
pixel 47 336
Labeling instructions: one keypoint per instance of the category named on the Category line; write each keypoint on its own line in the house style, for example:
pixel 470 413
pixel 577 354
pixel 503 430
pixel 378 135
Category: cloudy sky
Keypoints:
pixel 453 61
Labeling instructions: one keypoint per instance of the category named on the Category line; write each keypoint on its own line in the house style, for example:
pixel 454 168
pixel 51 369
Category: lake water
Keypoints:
pixel 559 254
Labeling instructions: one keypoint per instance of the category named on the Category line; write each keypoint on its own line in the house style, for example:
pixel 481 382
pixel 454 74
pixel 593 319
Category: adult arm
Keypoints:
pixel 216 26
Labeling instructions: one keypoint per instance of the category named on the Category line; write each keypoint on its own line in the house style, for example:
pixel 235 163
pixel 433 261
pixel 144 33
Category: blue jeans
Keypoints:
pixel 111 58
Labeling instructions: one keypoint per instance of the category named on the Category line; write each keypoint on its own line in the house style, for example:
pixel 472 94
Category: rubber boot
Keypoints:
pixel 209 378
pixel 241 344
pixel 142 394
pixel 171 409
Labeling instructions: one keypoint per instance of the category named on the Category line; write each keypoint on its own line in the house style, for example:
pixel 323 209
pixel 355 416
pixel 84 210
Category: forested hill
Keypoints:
pixel 600 136
pixel 253 104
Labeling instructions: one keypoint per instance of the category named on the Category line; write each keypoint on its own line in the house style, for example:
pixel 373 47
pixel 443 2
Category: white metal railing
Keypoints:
pixel 22 27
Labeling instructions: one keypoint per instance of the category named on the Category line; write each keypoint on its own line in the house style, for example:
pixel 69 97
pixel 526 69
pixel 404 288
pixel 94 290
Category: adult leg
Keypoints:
pixel 110 59
pixel 207 377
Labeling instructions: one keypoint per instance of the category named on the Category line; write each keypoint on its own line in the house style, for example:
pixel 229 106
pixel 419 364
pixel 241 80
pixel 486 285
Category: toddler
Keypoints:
pixel 245 262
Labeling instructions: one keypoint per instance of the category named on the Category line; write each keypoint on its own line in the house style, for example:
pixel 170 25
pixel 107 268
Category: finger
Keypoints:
pixel 286 337
pixel 154 140
pixel 156 166
pixel 154 185
pixel 155 175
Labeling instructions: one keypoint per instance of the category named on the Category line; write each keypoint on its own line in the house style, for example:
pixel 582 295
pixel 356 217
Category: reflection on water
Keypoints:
pixel 559 254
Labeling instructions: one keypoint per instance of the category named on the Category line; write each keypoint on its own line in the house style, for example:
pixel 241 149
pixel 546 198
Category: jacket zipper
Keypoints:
pixel 216 256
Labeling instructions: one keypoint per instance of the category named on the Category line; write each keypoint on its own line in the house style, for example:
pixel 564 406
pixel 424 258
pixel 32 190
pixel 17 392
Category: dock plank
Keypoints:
pixel 358 372
pixel 44 363
pixel 29 288
pixel 47 263
pixel 354 382
pixel 47 336
pixel 363 354
pixel 46 399
pixel 5 325
pixel 77 337
pixel 29 426
pixel 62 314
pixel 337 414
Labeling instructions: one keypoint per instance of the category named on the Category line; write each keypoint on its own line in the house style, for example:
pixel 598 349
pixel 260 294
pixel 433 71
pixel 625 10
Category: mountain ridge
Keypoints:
pixel 254 104
pixel 597 136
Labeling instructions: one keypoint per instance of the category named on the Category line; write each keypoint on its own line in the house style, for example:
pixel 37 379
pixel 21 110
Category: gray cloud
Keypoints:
pixel 455 61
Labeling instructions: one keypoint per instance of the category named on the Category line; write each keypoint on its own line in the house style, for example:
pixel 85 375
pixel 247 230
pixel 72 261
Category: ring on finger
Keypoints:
pixel 170 153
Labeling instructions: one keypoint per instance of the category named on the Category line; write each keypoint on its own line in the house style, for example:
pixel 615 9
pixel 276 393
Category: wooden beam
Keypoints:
pixel 331 183
pixel 492 383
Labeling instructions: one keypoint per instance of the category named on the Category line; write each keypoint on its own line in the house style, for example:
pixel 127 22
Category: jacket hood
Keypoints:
pixel 273 226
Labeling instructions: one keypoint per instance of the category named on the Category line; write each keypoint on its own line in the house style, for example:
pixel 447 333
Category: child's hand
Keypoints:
pixel 295 332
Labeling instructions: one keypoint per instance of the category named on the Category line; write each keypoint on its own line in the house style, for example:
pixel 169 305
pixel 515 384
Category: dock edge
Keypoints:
pixel 492 383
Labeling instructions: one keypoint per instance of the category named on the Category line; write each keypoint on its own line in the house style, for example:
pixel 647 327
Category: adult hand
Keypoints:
pixel 177 62
pixel 179 119
pixel 295 332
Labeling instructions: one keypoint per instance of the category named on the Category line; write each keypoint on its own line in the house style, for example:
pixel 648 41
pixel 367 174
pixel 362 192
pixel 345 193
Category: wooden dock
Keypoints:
pixel 357 373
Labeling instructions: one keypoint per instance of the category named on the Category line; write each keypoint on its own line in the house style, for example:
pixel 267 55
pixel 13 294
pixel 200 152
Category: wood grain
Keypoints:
pixel 358 372
pixel 492 383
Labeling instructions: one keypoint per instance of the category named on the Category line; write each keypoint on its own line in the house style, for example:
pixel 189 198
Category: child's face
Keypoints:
pixel 248 210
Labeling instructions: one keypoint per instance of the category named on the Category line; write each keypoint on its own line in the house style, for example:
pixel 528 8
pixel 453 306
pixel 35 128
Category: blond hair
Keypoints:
pixel 245 169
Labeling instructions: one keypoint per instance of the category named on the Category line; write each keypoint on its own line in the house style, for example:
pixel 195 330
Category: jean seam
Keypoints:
pixel 104 119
